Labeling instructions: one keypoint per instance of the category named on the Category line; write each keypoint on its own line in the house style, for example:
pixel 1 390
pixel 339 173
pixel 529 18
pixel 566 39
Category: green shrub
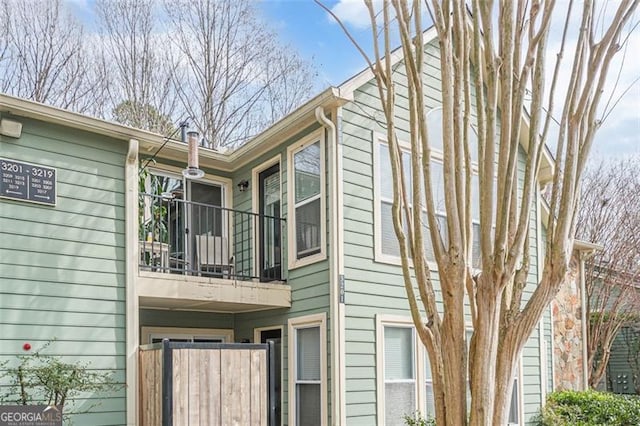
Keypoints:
pixel 417 420
pixel 589 408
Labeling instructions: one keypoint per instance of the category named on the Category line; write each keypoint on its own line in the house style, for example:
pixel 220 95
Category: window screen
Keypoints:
pixel 308 385
pixel 399 374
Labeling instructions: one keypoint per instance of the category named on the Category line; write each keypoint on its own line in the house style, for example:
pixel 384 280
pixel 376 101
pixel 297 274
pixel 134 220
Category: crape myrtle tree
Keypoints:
pixel 609 215
pixel 495 75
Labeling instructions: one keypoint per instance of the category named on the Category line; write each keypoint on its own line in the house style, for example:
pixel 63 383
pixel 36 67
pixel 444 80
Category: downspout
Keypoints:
pixel 131 262
pixel 336 263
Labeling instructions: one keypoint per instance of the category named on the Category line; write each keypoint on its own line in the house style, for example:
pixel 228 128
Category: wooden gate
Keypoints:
pixel 184 384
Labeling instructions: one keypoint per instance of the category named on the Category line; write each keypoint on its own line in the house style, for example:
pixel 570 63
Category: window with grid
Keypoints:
pixel 388 240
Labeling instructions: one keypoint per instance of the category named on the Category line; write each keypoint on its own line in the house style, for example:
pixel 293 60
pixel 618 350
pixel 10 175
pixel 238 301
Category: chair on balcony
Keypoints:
pixel 213 256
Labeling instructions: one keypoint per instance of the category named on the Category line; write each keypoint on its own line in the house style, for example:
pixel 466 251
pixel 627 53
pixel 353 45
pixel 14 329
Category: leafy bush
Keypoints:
pixel 42 379
pixel 417 420
pixel 589 408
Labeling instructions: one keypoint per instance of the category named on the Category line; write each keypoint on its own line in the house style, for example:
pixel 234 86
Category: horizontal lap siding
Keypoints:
pixel 309 284
pixel 62 268
pixel 532 361
pixel 371 288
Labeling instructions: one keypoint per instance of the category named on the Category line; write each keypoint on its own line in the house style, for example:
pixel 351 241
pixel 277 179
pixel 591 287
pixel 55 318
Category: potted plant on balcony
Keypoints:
pixel 152 210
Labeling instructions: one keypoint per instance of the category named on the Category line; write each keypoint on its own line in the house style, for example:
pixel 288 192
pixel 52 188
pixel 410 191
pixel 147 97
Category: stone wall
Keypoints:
pixel 567 333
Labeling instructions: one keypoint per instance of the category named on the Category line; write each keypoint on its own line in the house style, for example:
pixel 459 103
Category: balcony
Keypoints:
pixel 199 256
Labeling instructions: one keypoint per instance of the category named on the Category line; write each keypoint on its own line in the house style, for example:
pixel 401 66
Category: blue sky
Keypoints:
pixel 317 37
pixel 311 31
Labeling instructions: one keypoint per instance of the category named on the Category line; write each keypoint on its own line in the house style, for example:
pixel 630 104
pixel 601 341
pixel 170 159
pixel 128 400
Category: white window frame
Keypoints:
pixel 148 333
pixel 293 261
pixel 420 357
pixel 436 156
pixel 294 324
pixel 383 321
pixel 379 256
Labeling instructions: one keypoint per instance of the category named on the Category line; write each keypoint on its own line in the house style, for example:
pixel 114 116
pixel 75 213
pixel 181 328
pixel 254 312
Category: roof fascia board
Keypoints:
pixel 149 142
pixel 581 245
pixel 50 114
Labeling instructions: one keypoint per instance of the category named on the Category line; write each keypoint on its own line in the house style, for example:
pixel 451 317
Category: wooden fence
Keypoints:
pixel 185 384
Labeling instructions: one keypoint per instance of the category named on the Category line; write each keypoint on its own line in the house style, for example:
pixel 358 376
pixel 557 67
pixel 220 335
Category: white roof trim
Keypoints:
pixel 50 114
pixel 581 245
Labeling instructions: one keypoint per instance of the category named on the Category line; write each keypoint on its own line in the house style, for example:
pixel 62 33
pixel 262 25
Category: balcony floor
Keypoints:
pixel 186 292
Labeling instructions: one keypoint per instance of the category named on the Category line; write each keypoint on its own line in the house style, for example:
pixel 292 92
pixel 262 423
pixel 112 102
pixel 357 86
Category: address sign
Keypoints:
pixel 27 182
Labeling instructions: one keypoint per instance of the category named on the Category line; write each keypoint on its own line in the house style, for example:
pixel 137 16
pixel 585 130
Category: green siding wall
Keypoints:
pixel 372 287
pixel 62 268
pixel 309 284
pixel 621 376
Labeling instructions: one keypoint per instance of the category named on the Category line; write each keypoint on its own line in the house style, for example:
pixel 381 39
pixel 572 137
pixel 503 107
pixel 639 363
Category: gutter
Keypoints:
pixel 149 142
pixel 336 263
pixel 131 294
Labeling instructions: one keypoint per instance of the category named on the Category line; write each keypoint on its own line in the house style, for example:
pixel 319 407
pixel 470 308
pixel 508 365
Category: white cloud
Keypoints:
pixel 354 12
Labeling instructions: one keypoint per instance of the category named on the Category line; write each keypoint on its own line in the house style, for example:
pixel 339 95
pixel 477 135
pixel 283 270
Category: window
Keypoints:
pixel 387 247
pixel 398 370
pixel 430 403
pixel 402 363
pixel 387 240
pixel 514 405
pixel 399 374
pixel 307 357
pixel 306 201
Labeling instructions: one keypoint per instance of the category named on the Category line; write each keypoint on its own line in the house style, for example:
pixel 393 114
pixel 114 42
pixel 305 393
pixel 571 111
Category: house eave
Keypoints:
pixel 19 107
pixel 288 126
pixel 586 246
pixel 150 142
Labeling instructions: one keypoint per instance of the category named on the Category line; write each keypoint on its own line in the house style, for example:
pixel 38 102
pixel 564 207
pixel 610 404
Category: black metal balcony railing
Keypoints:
pixel 178 236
